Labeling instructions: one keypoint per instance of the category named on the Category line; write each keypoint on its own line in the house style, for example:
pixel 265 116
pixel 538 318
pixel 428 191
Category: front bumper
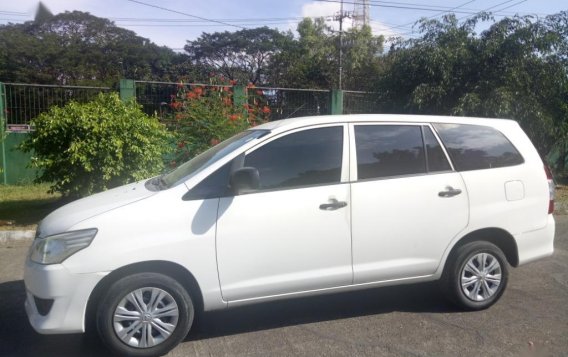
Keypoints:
pixel 69 292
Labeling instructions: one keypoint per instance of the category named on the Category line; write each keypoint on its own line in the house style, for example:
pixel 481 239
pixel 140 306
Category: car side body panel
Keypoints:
pixel 393 231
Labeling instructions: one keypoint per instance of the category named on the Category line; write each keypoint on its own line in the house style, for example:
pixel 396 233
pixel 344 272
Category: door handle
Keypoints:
pixel 333 205
pixel 449 192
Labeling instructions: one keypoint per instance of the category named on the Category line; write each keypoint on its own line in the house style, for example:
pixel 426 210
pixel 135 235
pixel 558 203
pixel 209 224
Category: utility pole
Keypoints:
pixel 339 17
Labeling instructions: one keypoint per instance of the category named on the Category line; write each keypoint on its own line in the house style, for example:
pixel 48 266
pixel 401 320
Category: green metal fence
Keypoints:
pixel 293 102
pixel 355 102
pixel 23 102
pixel 20 103
pixel 155 97
pixel 14 162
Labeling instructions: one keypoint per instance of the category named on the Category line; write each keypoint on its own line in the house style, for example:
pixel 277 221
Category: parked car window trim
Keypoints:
pixel 268 190
pixel 451 159
pixel 446 154
pixel 355 176
pixel 344 176
pixel 197 192
pixel 203 161
pixel 425 148
pixel 347 176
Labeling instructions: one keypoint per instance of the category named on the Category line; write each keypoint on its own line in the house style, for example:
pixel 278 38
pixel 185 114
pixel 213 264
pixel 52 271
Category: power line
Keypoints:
pixel 423 8
pixel 13 13
pixel 492 7
pixel 520 2
pixel 484 10
pixel 210 25
pixel 436 15
pixel 185 14
pixel 120 19
pixel 432 8
pixel 447 8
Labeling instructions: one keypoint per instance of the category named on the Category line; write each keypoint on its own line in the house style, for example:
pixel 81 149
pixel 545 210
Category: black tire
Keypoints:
pixel 473 296
pixel 149 286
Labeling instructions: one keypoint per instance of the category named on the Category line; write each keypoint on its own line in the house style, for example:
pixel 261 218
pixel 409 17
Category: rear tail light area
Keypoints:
pixel 550 189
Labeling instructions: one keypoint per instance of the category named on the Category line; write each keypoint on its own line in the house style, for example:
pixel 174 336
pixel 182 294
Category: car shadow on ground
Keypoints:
pixel 424 297
pixel 17 338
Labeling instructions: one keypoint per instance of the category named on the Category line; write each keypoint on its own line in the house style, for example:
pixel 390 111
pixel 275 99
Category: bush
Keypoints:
pixel 202 116
pixel 85 148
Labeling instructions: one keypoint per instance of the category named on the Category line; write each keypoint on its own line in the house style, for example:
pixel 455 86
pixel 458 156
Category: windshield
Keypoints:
pixel 203 160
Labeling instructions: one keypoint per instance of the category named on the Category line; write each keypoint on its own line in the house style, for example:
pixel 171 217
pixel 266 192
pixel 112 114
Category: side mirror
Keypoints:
pixel 245 180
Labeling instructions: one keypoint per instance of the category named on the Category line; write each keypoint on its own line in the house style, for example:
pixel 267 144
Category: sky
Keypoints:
pixel 187 19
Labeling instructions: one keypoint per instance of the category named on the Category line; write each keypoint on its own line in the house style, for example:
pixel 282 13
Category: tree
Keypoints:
pixel 312 60
pixel 85 148
pixel 242 55
pixel 78 48
pixel 516 69
pixel 309 60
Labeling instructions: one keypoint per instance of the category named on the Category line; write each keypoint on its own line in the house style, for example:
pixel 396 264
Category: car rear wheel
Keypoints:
pixel 477 275
pixel 144 314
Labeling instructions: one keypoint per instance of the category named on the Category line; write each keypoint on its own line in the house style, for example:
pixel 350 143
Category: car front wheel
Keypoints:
pixel 144 315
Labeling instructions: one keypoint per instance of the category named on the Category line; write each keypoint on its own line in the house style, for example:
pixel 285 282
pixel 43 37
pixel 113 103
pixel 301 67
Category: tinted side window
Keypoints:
pixel 389 150
pixel 214 185
pixel 437 160
pixel 474 147
pixel 308 157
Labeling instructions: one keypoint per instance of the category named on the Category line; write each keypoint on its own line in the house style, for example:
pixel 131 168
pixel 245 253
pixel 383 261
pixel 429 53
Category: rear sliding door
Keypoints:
pixel 407 201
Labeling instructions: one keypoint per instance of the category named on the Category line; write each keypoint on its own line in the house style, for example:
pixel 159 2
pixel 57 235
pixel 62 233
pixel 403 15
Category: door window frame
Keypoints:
pixel 354 175
pixel 344 178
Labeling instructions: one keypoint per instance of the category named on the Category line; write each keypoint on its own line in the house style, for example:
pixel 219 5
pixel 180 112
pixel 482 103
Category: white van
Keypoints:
pixel 293 208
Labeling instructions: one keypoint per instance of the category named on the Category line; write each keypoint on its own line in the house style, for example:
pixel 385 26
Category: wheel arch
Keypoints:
pixel 173 270
pixel 497 236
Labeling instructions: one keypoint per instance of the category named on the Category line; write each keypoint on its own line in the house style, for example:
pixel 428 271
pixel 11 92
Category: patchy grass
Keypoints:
pixel 22 207
pixel 561 193
pixel 561 199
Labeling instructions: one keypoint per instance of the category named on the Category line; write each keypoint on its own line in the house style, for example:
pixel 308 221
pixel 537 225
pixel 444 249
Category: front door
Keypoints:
pixel 293 234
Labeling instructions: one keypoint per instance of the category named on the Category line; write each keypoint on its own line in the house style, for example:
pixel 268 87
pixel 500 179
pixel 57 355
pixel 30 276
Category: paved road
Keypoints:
pixel 531 319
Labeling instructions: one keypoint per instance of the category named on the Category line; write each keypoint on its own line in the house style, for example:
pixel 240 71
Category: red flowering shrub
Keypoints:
pixel 203 116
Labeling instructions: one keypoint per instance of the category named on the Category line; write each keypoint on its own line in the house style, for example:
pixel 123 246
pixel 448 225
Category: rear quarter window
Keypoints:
pixel 477 147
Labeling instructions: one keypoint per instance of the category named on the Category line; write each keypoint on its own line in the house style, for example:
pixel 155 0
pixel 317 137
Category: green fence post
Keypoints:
pixel 239 97
pixel 3 132
pixel 336 101
pixel 127 89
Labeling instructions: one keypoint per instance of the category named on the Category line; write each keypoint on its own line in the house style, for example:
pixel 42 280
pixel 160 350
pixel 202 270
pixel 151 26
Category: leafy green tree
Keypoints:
pixel 309 60
pixel 516 69
pixel 242 55
pixel 77 48
pixel 361 60
pixel 85 148
pixel 312 60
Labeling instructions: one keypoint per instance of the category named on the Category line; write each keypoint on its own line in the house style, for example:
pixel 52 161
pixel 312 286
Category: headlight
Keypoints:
pixel 56 248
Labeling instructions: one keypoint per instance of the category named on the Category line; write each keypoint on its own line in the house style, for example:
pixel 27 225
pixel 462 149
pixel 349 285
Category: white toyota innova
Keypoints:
pixel 294 208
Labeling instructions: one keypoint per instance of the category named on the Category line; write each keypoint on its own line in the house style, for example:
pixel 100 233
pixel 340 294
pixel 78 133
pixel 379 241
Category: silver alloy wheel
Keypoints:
pixel 145 317
pixel 481 277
